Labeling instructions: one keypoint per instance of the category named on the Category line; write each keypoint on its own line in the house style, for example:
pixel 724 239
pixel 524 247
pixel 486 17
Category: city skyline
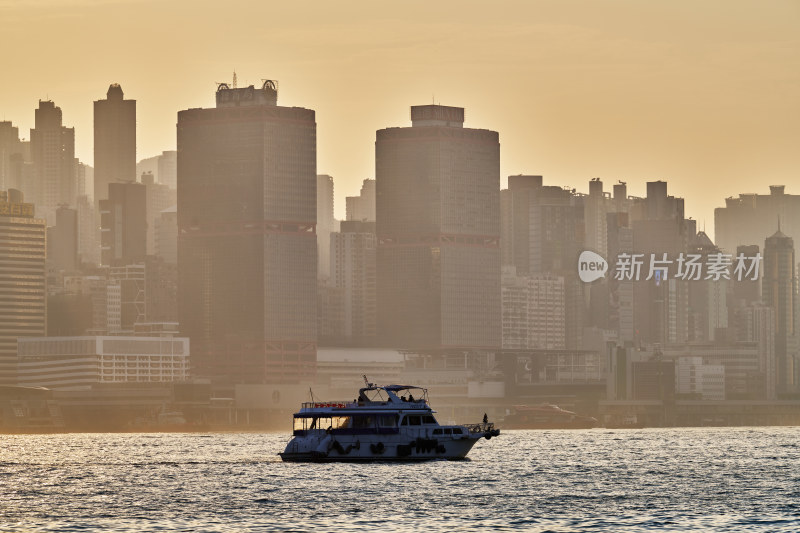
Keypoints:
pixel 689 93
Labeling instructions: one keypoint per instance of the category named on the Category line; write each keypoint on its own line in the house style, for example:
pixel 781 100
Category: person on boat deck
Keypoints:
pixel 411 398
pixel 403 397
pixel 485 418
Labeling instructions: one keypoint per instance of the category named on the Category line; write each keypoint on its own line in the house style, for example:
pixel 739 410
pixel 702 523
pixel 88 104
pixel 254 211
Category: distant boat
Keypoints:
pixel 171 418
pixel 547 416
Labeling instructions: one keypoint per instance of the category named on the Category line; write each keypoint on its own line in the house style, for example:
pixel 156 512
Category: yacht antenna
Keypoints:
pixel 311 393
pixel 366 381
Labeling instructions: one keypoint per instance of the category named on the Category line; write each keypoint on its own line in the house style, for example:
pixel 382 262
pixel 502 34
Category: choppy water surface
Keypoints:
pixel 745 479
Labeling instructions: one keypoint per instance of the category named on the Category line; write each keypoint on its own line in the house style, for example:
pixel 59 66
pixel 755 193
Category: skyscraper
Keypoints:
pixel 779 290
pixel 438 227
pixel 23 298
pixel 9 146
pixel 247 250
pixel 53 155
pixel 114 141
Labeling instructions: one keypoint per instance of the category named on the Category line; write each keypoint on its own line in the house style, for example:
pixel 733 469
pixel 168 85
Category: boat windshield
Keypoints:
pixel 374 395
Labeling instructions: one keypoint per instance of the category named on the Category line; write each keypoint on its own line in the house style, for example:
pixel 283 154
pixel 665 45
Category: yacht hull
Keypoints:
pixel 348 448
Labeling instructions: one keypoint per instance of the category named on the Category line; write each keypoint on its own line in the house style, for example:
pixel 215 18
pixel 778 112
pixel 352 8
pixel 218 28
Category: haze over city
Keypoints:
pixel 703 95
pixel 540 254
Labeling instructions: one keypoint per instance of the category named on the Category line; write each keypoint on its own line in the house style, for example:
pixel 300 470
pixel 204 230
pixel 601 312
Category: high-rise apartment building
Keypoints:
pixel 123 224
pixel 53 156
pixel 10 146
pixel 114 141
pixel 751 218
pixel 438 227
pixel 746 290
pixel 755 323
pixel 779 290
pixel 167 172
pixel 544 233
pixel 131 280
pixel 23 298
pixel 516 202
pixel 247 249
pixel 158 198
pixel 166 235
pixel 362 207
pixel 62 241
pixel 88 231
pixel 661 303
pixel 533 311
pixel 708 304
pixel 325 224
pixel 352 268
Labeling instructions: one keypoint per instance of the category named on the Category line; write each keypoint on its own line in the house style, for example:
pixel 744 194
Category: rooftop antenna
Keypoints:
pixel 235 81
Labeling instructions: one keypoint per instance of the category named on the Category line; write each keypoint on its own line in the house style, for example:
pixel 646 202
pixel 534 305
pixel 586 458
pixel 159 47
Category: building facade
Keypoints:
pixel 533 309
pixel 247 247
pixel 352 267
pixel 79 362
pixel 23 297
pixel 325 224
pixel 779 290
pixel 114 141
pixel 123 224
pixel 438 226
pixel 53 156
pixel 751 218
pixel 362 207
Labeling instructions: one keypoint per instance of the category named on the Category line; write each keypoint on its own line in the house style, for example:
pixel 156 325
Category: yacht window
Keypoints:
pixel 448 431
pixel 304 423
pixel 437 431
pixel 405 422
pixel 428 419
pixel 362 421
pixel 386 421
pixel 414 420
pixel 456 431
pixel 333 422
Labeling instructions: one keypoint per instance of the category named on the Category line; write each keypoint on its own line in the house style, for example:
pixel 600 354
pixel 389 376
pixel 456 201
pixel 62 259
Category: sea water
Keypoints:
pixel 721 479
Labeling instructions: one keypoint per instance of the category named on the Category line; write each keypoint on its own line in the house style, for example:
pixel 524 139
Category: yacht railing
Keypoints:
pixel 317 405
pixel 483 427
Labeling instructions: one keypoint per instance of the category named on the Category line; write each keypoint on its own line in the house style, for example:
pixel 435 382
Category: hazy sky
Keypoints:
pixel 704 94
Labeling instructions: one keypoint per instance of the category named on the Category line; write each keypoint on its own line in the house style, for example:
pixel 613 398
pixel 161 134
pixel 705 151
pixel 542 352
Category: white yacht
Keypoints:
pixel 385 423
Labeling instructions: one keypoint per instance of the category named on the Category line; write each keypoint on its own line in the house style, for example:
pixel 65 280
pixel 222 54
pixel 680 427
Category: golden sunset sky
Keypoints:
pixel 703 94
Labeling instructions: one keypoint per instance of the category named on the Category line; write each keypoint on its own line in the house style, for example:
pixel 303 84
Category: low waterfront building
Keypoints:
pixel 80 362
pixel 700 380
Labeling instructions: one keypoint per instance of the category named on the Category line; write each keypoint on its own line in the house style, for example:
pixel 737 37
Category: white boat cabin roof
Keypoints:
pixel 389 397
